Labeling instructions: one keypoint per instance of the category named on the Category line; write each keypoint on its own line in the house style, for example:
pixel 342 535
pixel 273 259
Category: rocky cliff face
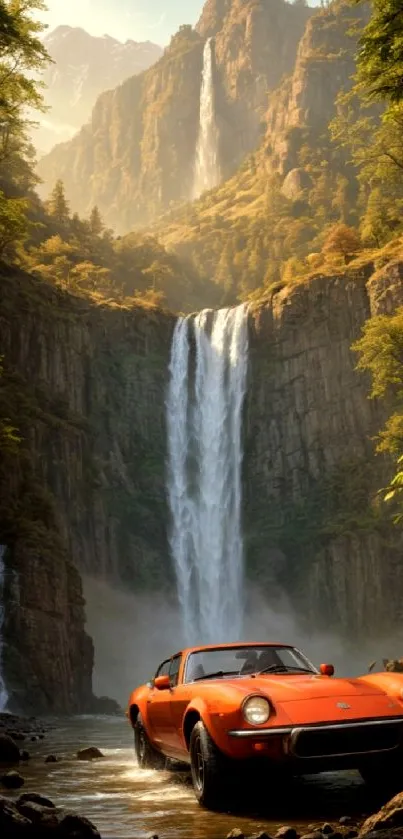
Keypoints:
pixel 84 386
pixel 305 103
pixel 83 67
pixel 137 154
pixel 312 525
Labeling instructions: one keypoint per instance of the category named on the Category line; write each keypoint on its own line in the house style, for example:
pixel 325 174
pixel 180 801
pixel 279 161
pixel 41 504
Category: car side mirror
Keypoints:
pixel 327 669
pixel 162 682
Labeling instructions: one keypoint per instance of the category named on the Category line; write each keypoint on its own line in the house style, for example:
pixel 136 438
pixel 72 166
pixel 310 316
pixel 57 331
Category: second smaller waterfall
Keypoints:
pixel 207 168
pixel 3 690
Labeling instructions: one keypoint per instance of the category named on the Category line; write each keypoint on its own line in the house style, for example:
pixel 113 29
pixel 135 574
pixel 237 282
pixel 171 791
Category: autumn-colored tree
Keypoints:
pixel 342 241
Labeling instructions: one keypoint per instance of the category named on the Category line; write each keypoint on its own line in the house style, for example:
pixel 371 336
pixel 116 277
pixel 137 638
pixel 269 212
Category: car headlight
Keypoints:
pixel 256 710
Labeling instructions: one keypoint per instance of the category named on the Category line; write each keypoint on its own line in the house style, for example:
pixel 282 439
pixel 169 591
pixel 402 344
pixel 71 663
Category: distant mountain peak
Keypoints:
pixel 83 67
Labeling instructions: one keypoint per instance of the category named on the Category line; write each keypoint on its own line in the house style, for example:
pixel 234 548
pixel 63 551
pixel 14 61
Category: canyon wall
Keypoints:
pixel 84 386
pixel 313 526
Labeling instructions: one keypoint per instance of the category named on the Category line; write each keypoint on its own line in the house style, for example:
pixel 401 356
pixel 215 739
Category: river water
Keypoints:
pixel 127 803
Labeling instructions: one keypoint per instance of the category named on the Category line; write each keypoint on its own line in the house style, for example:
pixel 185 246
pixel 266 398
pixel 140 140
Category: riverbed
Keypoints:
pixel 125 802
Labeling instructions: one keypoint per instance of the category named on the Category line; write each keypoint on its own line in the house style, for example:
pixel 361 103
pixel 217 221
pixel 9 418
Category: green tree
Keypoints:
pixel 96 223
pixel 380 59
pixel 380 351
pixel 22 57
pixel 58 206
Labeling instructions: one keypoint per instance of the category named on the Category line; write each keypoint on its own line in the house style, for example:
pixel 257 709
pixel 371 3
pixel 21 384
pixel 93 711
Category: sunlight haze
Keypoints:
pixel 137 19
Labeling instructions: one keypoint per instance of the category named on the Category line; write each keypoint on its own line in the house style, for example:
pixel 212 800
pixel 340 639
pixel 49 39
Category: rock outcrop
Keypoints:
pixel 137 154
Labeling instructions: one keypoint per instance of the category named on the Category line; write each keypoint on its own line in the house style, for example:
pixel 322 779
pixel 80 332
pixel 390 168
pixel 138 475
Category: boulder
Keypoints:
pixel 326 828
pixel 35 798
pixel 51 759
pixel 43 817
pixel 295 183
pixel 9 751
pixel 236 833
pixel 388 818
pixel 287 832
pixel 12 823
pixel 90 753
pixel 77 827
pixel 24 755
pixel 12 780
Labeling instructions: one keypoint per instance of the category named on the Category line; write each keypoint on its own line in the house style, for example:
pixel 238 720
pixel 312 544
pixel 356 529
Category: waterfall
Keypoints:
pixel 208 373
pixel 3 690
pixel 207 168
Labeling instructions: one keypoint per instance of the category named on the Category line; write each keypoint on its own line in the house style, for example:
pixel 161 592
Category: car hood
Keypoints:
pixel 296 688
pixel 313 699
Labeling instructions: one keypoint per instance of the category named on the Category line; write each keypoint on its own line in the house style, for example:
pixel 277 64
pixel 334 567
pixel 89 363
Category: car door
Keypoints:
pixel 159 719
pixel 180 697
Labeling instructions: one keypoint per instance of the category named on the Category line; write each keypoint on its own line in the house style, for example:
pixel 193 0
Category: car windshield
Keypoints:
pixel 241 661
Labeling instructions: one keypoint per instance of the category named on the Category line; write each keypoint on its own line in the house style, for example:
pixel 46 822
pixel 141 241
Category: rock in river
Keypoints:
pixel 89 754
pixel 12 780
pixel 9 751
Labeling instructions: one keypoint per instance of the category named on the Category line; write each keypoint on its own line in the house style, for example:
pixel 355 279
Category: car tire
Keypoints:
pixel 210 770
pixel 147 756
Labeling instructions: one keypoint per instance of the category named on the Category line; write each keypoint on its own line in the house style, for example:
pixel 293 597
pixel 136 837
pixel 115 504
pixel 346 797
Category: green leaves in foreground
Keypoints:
pixel 381 353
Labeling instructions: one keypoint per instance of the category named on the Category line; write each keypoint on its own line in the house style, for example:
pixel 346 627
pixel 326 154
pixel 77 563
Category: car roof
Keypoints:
pixel 207 647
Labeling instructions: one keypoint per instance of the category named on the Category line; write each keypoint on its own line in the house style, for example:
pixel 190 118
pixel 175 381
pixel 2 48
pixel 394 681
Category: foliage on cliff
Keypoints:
pixel 381 352
pixel 84 257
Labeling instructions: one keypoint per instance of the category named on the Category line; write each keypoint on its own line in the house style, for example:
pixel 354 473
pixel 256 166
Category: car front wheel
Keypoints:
pixel 147 756
pixel 210 770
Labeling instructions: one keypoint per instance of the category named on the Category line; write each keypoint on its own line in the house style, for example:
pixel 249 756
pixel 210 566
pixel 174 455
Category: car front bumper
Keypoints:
pixel 330 744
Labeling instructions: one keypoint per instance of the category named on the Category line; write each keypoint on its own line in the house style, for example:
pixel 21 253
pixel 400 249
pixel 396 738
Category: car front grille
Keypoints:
pixel 351 739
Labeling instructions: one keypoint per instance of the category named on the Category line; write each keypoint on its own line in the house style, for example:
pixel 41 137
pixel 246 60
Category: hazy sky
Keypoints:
pixel 142 20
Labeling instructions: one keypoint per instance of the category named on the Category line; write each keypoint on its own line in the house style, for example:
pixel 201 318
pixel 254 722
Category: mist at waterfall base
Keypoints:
pixel 134 633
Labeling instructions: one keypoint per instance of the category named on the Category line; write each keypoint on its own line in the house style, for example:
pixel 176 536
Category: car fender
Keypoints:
pixel 198 709
pixel 138 704
pixel 391 683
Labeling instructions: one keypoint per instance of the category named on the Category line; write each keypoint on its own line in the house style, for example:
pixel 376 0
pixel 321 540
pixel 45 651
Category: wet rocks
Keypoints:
pixel 236 833
pixel 24 755
pixel 35 798
pixel 34 815
pixel 12 780
pixel 286 833
pixel 9 751
pixel 389 817
pixel 90 753
pixel 51 759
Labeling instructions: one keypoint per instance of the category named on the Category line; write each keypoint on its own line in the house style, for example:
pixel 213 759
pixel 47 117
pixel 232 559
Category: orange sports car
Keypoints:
pixel 219 708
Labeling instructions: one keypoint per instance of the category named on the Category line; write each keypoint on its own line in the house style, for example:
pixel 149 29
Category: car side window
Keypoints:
pixel 163 669
pixel 174 670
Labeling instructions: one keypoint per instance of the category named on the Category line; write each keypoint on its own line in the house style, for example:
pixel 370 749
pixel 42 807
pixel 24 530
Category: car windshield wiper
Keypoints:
pixel 217 674
pixel 281 668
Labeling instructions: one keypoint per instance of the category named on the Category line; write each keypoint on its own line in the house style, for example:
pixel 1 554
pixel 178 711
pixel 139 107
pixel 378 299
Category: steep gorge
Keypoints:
pixel 86 387
pixel 137 154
